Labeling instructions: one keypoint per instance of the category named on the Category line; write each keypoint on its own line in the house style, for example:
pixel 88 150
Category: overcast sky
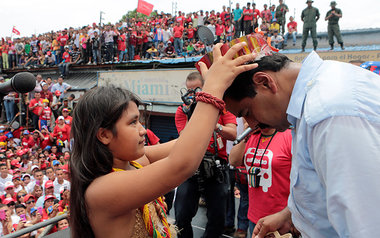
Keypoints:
pixel 39 16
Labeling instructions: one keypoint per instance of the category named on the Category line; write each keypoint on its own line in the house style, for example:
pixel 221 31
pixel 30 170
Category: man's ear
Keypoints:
pixel 262 79
pixel 104 135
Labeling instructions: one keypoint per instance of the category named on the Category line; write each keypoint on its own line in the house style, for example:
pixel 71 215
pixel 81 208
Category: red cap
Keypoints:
pixel 10 155
pixel 20 153
pixel 8 200
pixel 65 168
pixel 16 177
pixel 49 184
pixel 57 93
pixel 65 110
pixel 49 197
pixel 28 196
pixel 15 163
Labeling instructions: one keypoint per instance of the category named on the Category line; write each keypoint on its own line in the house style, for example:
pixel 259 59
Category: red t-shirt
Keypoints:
pixel 152 138
pixel 132 38
pixel 272 195
pixel 219 29
pixel 292 26
pixel 121 43
pixel 3 138
pixel 46 114
pixel 63 39
pixel 180 19
pixel 26 141
pixel 46 141
pixel 190 33
pixel 66 57
pixel 32 142
pixel 68 120
pixel 65 132
pixel 178 31
pixel 48 95
pixel 256 13
pixel 33 102
pixel 225 118
pixel 248 17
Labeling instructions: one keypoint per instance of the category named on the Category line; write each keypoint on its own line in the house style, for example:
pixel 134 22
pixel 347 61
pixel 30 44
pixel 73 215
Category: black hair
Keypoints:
pixel 99 108
pixel 194 76
pixel 20 206
pixel 243 86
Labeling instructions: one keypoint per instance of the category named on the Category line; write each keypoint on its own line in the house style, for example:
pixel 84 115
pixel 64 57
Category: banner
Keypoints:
pixel 144 7
pixel 15 31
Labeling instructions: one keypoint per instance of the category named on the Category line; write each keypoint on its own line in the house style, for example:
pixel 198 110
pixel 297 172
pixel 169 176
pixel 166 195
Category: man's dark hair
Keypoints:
pixel 243 86
pixel 194 76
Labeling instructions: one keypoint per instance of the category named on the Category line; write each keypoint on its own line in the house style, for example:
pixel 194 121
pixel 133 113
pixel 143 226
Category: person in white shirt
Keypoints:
pixel 4 177
pixel 59 182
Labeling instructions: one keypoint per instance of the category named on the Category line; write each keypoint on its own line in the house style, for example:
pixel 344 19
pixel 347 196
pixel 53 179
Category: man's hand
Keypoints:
pixel 280 222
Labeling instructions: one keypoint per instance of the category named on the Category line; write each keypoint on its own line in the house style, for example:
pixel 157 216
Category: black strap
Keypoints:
pixel 257 148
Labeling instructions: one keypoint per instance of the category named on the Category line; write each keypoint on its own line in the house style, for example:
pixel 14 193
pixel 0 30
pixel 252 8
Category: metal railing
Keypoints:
pixel 49 224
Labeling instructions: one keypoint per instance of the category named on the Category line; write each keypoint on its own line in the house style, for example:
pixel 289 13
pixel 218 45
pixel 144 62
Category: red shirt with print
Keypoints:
pixel 256 13
pixel 62 39
pixel 65 132
pixel 248 17
pixel 33 102
pixel 292 26
pixel 66 57
pixel 225 118
pixel 272 194
pixel 190 33
pixel 121 43
pixel 219 29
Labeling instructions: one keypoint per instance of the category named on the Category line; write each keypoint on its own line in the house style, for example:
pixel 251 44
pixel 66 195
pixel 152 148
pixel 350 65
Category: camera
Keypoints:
pixel 188 98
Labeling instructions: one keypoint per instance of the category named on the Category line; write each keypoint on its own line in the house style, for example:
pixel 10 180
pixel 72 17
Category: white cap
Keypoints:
pixel 8 184
pixel 61 118
pixel 34 167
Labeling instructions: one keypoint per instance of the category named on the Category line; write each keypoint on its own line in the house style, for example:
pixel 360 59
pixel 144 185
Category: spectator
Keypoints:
pixel 66 60
pixel 9 104
pixel 237 20
pixel 266 14
pixel 292 31
pixel 247 19
pixel 109 34
pixel 35 106
pixel 151 53
pixel 96 46
pixel 274 27
pixel 62 133
pixel 122 46
pixel 277 40
pixel 219 31
pixel 45 115
pixel 6 224
pixel 65 105
pixel 333 16
pixel 178 37
pixel 60 182
pixel 170 51
pixel 310 16
pixel 61 87
pixel 62 40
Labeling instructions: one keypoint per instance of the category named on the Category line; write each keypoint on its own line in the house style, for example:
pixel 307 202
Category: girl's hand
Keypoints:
pixel 225 69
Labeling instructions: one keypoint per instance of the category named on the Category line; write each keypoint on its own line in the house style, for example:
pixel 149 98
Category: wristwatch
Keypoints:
pixel 219 129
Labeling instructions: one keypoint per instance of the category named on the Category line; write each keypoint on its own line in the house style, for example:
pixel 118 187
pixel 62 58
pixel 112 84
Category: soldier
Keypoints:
pixel 333 27
pixel 310 16
pixel 281 10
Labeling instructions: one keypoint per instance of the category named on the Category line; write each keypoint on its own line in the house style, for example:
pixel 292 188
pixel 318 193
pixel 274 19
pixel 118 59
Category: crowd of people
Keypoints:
pixel 34 172
pixel 159 36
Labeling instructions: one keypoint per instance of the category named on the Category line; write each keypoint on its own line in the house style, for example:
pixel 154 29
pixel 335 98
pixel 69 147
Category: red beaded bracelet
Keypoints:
pixel 208 98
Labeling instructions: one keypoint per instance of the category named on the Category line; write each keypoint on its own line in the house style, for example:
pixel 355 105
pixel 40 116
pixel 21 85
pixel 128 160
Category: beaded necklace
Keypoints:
pixel 158 203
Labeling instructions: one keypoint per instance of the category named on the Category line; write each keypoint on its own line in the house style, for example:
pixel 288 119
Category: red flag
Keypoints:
pixel 15 31
pixel 144 7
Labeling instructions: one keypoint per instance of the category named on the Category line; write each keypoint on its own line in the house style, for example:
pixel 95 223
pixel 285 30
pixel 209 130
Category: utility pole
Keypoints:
pixel 174 8
pixel 101 18
pixel 230 4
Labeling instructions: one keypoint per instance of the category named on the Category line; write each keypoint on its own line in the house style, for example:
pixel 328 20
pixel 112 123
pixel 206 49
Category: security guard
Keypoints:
pixel 333 17
pixel 309 16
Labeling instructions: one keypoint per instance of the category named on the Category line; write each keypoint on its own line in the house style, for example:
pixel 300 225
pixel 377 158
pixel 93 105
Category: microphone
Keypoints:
pixel 242 136
pixel 21 83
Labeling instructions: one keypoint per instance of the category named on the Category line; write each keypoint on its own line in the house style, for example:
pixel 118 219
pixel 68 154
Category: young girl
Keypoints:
pixel 112 196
